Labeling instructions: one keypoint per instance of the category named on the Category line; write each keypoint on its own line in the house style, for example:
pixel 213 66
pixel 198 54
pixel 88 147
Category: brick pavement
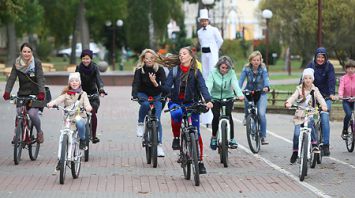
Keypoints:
pixel 117 166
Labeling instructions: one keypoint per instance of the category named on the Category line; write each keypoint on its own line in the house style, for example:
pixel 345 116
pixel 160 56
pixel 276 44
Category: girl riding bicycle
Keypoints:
pixel 70 94
pixel 347 89
pixel 186 85
pixel 222 83
pixel 149 80
pixel 308 94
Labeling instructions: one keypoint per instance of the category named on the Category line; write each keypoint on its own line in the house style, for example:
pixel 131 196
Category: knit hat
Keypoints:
pixel 86 52
pixel 308 72
pixel 75 75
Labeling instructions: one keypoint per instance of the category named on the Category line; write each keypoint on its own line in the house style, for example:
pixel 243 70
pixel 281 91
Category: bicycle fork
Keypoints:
pixel 69 133
pixel 219 134
pixel 307 131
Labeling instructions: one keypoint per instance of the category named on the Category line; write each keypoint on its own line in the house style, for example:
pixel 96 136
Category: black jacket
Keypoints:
pixel 91 81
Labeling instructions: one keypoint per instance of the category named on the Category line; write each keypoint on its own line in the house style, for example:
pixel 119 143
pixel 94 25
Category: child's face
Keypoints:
pixel 86 60
pixel 350 70
pixel 74 83
pixel 307 79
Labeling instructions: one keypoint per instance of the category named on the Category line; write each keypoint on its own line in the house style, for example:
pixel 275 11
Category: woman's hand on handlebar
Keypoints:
pixel 288 105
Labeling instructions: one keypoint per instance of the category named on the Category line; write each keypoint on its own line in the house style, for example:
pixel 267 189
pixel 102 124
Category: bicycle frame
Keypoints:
pixel 223 118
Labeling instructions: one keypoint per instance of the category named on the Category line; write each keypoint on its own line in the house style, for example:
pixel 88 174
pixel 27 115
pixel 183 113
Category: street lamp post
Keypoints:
pixel 113 28
pixel 267 14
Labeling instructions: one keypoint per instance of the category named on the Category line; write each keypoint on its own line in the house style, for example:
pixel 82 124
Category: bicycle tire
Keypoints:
pixel 63 159
pixel 18 143
pixel 224 144
pixel 303 157
pixel 253 133
pixel 320 140
pixel 33 150
pixel 76 163
pixel 88 132
pixel 148 150
pixel 314 159
pixel 154 143
pixel 185 163
pixel 194 155
pixel 349 141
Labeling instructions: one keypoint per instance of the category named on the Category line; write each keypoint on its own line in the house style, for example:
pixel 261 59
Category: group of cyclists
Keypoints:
pixel 183 84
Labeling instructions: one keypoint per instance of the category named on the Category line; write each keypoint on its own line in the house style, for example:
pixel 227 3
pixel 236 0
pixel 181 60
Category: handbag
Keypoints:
pixel 48 95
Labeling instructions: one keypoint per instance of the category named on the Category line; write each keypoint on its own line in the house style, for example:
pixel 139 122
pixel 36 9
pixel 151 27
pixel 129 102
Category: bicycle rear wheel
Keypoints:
pixel 224 144
pixel 303 157
pixel 253 133
pixel 185 162
pixel 88 132
pixel 63 159
pixel 33 147
pixel 349 141
pixel 320 142
pixel 194 156
pixel 154 141
pixel 18 143
pixel 76 163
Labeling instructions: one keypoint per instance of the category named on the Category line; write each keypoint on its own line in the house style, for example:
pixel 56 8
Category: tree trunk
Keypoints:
pixel 75 39
pixel 84 27
pixel 11 44
pixel 152 39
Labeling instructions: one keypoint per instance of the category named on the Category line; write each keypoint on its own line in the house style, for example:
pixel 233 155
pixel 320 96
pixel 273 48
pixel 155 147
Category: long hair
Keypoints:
pixel 141 63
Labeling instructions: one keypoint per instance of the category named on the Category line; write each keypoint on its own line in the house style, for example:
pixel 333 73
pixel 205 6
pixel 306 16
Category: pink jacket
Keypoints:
pixel 347 86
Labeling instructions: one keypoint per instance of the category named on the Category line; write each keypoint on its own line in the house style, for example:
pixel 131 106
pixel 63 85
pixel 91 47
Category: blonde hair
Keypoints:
pixel 255 54
pixel 141 63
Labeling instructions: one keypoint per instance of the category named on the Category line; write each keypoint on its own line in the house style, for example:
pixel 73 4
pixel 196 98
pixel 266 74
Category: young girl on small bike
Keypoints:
pixel 308 94
pixel 347 89
pixel 72 93
pixel 222 83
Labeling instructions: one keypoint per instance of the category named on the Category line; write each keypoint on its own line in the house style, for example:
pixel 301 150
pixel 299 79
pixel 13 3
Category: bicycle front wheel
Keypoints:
pixel 303 157
pixel 18 143
pixel 185 163
pixel 194 156
pixel 154 142
pixel 76 163
pixel 349 141
pixel 253 133
pixel 63 159
pixel 33 147
pixel 224 144
pixel 148 148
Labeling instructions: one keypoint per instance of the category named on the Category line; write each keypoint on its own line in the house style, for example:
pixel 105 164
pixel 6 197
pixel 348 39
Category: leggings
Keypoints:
pixel 34 116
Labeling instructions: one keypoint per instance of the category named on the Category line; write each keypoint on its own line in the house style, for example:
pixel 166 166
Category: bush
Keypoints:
pixel 237 50
pixel 274 47
pixel 44 49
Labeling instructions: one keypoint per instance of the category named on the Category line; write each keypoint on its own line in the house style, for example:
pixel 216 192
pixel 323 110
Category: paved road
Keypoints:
pixel 117 165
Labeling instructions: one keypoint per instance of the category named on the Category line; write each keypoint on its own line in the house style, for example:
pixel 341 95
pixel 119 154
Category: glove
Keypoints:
pixel 102 91
pixel 40 96
pixel 6 96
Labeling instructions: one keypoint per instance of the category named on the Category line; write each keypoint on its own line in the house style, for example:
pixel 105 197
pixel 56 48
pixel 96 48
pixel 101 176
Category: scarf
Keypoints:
pixel 74 91
pixel 24 67
pixel 86 69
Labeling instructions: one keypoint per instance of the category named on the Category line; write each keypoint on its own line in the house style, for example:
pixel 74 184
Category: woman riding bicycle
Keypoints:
pixel 28 70
pixel 347 89
pixel 91 84
pixel 257 79
pixel 72 93
pixel 308 94
pixel 186 85
pixel 222 83
pixel 149 80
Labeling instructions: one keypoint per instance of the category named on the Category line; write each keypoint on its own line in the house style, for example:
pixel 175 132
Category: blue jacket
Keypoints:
pixel 324 75
pixel 195 86
pixel 254 82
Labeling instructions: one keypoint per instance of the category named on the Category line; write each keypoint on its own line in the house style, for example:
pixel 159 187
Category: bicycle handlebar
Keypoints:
pixel 198 107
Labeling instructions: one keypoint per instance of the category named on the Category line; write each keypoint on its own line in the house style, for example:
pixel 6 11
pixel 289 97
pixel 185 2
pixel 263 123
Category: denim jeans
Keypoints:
pixel 80 125
pixel 297 131
pixel 348 108
pixel 144 108
pixel 324 116
pixel 262 104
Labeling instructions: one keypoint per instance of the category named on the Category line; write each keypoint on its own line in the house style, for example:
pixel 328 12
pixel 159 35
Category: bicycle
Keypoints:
pixel 305 153
pixel 189 152
pixel 69 153
pixel 349 140
pixel 88 131
pixel 223 133
pixel 24 136
pixel 150 136
pixel 252 120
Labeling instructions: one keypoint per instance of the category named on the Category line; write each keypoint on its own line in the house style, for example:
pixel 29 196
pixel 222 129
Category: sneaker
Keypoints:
pixel 95 140
pixel 264 141
pixel 344 134
pixel 244 122
pixel 82 145
pixel 140 129
pixel 213 144
pixel 294 157
pixel 326 149
pixel 176 143
pixel 40 138
pixel 160 151
pixel 202 168
pixel 233 144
